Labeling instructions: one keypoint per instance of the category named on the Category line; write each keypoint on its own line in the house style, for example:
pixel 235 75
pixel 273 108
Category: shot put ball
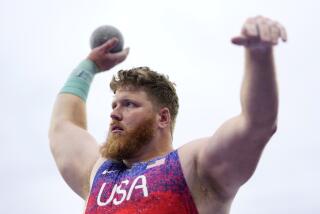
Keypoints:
pixel 104 33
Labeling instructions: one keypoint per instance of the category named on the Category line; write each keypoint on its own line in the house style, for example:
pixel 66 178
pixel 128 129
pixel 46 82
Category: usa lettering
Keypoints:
pixel 138 184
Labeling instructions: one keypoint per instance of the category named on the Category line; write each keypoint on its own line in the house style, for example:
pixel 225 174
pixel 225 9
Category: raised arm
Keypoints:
pixel 228 159
pixel 74 149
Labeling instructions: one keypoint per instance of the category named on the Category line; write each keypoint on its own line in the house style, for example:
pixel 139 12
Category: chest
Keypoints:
pixel 148 188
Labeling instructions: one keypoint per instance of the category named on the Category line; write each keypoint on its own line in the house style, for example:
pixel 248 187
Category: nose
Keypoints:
pixel 116 115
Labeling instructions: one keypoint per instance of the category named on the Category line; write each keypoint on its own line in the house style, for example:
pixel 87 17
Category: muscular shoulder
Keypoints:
pixel 202 189
pixel 188 153
pixel 189 156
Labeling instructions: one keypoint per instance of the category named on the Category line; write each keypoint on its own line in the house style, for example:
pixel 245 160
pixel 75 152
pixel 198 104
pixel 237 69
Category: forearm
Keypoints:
pixel 70 104
pixel 259 92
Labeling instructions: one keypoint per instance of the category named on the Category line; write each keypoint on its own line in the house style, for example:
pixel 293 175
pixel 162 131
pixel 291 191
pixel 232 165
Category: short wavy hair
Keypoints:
pixel 158 87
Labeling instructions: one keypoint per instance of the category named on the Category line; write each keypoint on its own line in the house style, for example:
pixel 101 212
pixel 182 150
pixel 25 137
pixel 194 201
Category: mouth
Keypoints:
pixel 116 129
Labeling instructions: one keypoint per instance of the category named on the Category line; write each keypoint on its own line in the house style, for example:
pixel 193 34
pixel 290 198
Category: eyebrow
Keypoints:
pixel 122 100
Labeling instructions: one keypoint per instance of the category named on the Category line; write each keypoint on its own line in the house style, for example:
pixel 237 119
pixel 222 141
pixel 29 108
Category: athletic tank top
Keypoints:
pixel 154 187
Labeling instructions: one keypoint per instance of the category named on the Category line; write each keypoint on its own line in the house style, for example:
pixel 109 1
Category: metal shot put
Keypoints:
pixel 103 34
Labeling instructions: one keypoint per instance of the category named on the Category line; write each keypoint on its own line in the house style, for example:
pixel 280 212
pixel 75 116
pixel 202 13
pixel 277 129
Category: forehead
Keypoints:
pixel 130 93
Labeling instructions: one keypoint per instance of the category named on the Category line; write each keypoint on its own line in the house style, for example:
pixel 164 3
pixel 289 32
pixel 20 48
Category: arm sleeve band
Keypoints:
pixel 80 79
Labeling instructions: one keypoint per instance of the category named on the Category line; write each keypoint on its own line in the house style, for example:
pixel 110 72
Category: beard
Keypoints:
pixel 120 146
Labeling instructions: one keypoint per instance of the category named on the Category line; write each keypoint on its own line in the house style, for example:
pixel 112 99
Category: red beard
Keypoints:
pixel 126 145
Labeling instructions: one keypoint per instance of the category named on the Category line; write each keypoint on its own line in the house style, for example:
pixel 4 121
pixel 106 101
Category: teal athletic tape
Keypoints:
pixel 80 79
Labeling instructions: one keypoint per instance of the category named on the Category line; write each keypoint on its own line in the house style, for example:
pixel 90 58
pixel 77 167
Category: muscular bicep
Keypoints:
pixel 75 152
pixel 228 158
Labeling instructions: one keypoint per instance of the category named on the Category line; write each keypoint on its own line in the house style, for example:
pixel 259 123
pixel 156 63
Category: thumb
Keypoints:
pixel 239 40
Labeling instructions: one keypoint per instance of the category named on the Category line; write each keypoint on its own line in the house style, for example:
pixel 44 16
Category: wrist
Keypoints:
pixel 88 65
pixel 80 79
pixel 259 50
pixel 91 64
pixel 259 54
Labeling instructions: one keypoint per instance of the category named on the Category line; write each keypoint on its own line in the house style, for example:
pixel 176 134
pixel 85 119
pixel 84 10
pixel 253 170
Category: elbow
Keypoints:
pixel 267 132
pixel 270 127
pixel 267 124
pixel 263 130
pixel 274 129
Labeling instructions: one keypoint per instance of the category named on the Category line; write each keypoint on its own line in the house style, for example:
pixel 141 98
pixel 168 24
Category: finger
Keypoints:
pixel 275 34
pixel 126 53
pixel 250 28
pixel 109 44
pixel 263 26
pixel 119 56
pixel 283 32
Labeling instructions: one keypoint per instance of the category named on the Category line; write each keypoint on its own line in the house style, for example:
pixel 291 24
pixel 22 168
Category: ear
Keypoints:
pixel 164 118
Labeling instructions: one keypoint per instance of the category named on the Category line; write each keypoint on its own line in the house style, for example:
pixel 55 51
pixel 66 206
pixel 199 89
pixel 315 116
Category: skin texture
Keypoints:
pixel 214 167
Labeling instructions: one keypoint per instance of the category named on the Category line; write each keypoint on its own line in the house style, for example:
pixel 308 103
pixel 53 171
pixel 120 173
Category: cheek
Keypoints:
pixel 134 118
pixel 131 119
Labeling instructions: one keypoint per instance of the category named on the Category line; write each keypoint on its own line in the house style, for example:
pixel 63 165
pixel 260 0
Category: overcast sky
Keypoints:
pixel 42 41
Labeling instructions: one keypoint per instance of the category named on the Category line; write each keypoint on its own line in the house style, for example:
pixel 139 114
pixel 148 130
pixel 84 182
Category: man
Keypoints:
pixel 137 170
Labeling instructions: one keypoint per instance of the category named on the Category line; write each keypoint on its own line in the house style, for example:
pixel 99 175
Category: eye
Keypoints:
pixel 129 104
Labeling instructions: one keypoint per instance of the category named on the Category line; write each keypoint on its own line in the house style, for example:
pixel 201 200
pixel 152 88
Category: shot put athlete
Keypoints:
pixel 137 170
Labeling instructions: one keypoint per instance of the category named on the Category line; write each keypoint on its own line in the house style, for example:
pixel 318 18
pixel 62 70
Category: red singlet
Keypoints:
pixel 154 187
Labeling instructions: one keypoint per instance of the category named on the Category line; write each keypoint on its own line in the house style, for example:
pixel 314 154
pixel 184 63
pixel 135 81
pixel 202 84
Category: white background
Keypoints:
pixel 42 41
